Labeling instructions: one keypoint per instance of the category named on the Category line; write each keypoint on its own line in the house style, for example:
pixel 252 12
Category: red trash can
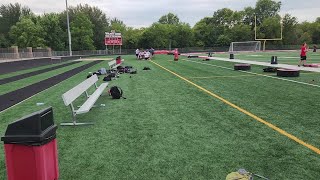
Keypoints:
pixel 31 147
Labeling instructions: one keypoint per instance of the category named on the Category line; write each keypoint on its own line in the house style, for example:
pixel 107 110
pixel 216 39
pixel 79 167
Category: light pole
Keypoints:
pixel 69 34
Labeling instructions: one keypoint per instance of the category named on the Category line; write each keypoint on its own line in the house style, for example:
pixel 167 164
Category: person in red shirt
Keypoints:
pixel 303 54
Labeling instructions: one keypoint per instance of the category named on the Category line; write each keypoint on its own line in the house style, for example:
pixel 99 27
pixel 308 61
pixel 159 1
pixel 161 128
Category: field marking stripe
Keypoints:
pixel 219 76
pixel 312 73
pixel 281 131
pixel 289 80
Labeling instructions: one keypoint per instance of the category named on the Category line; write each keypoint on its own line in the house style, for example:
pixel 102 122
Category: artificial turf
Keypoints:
pixel 168 128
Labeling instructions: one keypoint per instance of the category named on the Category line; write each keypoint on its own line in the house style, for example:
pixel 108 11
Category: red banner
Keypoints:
pixel 163 51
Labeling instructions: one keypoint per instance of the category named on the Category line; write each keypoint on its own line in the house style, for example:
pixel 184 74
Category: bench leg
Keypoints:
pixel 74 121
pixel 96 105
pixel 75 124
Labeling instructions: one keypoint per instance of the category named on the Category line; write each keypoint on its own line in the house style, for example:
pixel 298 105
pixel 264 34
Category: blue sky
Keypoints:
pixel 142 13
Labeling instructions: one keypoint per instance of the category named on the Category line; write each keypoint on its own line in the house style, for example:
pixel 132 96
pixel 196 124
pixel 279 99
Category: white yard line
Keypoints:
pixel 287 57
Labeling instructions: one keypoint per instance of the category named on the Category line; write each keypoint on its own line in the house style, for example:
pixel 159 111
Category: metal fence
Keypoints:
pixel 6 50
pixel 80 53
pixel 23 54
pixel 20 54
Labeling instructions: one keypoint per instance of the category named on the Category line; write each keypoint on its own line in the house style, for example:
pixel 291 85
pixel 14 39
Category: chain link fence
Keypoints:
pixel 14 53
pixel 25 54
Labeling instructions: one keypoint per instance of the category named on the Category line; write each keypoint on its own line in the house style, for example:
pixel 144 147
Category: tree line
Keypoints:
pixel 21 27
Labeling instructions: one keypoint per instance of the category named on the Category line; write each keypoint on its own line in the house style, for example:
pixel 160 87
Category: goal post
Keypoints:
pixel 247 46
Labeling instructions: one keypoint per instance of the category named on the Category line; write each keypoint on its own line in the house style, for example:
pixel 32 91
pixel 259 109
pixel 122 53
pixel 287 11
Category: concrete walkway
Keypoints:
pixel 285 66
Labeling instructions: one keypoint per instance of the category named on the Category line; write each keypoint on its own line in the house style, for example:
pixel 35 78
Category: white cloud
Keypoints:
pixel 139 13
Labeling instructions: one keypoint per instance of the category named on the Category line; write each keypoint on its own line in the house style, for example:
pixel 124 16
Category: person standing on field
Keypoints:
pixel 303 54
pixel 137 53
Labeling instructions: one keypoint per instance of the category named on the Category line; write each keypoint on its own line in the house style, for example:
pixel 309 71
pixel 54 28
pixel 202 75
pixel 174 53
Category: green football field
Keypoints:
pixel 186 119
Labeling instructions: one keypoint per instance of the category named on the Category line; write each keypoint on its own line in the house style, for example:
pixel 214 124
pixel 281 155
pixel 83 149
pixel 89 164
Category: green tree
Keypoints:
pixel 97 17
pixel 182 35
pixel 312 30
pixel 169 18
pixel 305 37
pixel 316 33
pixel 156 36
pixel 241 32
pixel 100 21
pixel 198 32
pixel 289 29
pixel 82 33
pixel 220 29
pixel 225 17
pixel 4 42
pixel 266 9
pixel 131 40
pixel 205 33
pixel 270 28
pixel 223 40
pixel 27 33
pixel 249 16
pixel 54 35
pixel 118 25
pixel 10 14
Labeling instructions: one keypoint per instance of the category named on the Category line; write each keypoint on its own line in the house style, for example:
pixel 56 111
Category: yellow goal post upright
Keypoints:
pixel 266 39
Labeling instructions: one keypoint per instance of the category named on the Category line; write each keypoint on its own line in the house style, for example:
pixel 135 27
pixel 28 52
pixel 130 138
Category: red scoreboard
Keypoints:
pixel 113 38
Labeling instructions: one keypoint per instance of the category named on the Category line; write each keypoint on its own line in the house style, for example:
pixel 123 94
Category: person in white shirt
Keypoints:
pixel 141 55
pixel 137 53
pixel 152 52
pixel 147 55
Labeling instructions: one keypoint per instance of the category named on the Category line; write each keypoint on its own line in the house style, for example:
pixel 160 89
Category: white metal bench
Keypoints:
pixel 56 58
pixel 113 64
pixel 78 90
